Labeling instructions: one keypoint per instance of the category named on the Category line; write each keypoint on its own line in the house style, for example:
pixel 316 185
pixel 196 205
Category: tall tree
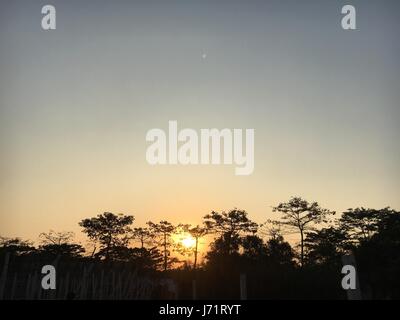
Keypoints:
pixel 230 226
pixel 148 258
pixel 142 235
pixel 162 233
pixel 375 240
pixel 300 215
pixel 360 224
pixel 253 247
pixel 196 232
pixel 279 251
pixel 325 246
pixel 109 230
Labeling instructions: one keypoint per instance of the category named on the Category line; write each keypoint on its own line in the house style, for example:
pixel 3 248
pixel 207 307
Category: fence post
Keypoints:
pixel 3 278
pixel 28 287
pixel 94 287
pixel 101 288
pixel 33 290
pixel 243 287
pixel 66 287
pixel 13 288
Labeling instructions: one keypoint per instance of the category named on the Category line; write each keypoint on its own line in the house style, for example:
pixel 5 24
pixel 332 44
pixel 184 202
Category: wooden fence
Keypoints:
pixel 80 281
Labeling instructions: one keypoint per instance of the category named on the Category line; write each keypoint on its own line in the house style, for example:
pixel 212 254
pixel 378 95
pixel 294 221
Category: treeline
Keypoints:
pixel 274 268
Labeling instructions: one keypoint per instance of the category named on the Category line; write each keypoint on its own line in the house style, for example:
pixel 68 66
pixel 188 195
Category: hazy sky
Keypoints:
pixel 76 103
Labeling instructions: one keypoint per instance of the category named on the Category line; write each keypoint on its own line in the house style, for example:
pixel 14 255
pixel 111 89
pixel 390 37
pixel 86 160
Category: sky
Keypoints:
pixel 76 104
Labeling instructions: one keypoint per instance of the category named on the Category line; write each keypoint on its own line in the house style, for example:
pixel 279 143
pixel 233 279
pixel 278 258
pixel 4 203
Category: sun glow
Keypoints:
pixel 188 241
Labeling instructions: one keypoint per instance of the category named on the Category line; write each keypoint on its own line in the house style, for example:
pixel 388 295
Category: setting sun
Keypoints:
pixel 188 241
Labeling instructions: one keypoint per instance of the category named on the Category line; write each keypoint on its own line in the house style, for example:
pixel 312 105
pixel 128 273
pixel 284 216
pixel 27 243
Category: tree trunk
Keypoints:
pixel 142 247
pixel 302 247
pixel 195 254
pixel 108 247
pixel 165 252
pixel 94 251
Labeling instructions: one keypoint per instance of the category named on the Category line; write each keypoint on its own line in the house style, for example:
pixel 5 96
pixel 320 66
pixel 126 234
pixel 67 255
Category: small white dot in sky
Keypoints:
pixel 204 56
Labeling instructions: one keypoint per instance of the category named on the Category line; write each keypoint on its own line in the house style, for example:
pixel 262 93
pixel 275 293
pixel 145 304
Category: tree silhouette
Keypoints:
pixel 68 250
pixel 16 246
pixel 142 235
pixel 253 247
pixel 325 246
pixel 150 258
pixel 226 244
pixel 109 230
pixel 375 241
pixel 271 229
pixel 360 224
pixel 279 251
pixel 59 244
pixel 230 226
pixel 162 233
pixel 57 238
pixel 301 215
pixel 373 235
pixel 196 232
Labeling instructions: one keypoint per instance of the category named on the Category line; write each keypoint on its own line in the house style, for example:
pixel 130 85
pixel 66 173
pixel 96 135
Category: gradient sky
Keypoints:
pixel 76 103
